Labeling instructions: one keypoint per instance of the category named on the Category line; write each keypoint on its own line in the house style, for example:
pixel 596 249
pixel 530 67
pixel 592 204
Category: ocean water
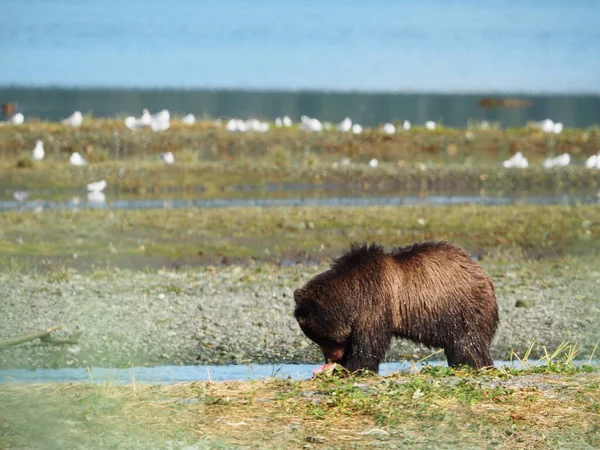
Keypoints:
pixel 534 46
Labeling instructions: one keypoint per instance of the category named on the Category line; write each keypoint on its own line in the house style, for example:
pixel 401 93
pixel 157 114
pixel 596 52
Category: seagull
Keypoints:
pixel 146 119
pixel 160 121
pixel 167 157
pixel 373 163
pixel 132 123
pixel 74 120
pixel 356 128
pixel 76 159
pixel 310 124
pixel 278 122
pixel 16 119
pixel 559 161
pixel 287 122
pixel 430 125
pixel 190 119
pixel 38 151
pixel 232 125
pixel 406 125
pixel 388 128
pixel 20 196
pixel 549 126
pixel 345 125
pixel 97 186
pixel 518 161
pixel 257 125
pixel 593 162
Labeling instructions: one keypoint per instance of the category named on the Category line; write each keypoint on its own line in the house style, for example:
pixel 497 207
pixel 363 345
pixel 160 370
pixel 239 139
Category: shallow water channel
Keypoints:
pixel 176 374
pixel 334 201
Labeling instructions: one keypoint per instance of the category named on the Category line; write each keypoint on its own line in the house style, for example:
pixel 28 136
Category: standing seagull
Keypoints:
pixel 76 159
pixel 167 157
pixel 559 161
pixel 593 162
pixel 190 119
pixel 517 161
pixel 17 119
pixel 74 120
pixel 388 128
pixel 97 186
pixel 38 151
pixel 345 125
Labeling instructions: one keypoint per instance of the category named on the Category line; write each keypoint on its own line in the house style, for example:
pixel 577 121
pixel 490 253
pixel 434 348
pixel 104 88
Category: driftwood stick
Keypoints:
pixel 28 337
pixel 60 340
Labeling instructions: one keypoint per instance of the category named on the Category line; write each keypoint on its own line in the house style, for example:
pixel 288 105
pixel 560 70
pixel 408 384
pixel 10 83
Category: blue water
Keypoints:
pixel 176 374
pixel 383 45
pixel 432 200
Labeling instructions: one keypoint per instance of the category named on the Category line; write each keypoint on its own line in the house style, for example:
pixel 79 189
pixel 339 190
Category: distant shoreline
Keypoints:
pixel 367 108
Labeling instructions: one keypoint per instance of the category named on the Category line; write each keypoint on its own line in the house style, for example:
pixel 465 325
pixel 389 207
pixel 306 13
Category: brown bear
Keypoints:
pixel 432 293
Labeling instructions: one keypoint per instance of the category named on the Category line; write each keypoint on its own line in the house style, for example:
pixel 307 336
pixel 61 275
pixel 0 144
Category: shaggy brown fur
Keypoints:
pixel 432 293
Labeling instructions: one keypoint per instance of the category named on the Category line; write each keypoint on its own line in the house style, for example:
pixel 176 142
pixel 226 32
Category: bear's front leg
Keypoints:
pixel 369 343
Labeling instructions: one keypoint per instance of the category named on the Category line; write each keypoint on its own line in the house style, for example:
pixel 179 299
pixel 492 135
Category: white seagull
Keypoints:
pixel 167 157
pixel 559 161
pixel 287 122
pixel 549 126
pixel 132 123
pixel 373 163
pixel 388 128
pixel 406 125
pixel 76 159
pixel 345 125
pixel 517 161
pixel 160 121
pixel 190 119
pixel 20 196
pixel 97 186
pixel 356 128
pixel 593 162
pixel 16 119
pixel 74 120
pixel 310 124
pixel 38 152
pixel 430 125
pixel 146 119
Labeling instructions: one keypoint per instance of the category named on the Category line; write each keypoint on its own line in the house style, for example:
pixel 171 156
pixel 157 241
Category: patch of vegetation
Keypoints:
pixel 209 158
pixel 464 410
pixel 182 237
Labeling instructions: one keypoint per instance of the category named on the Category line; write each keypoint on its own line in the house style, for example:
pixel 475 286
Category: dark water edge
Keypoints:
pixel 368 109
pixel 179 374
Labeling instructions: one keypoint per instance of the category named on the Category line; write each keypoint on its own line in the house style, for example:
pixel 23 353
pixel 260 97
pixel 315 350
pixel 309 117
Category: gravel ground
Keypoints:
pixel 243 314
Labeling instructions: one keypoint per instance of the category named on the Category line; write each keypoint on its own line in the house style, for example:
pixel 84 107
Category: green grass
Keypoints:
pixel 193 236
